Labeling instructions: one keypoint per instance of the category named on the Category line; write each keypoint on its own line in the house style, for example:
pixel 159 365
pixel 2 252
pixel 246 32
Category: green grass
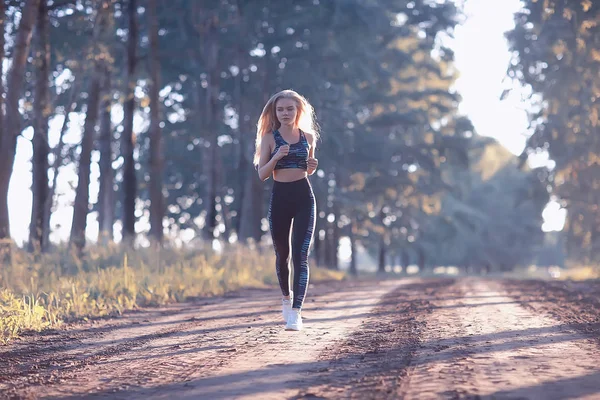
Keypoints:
pixel 44 291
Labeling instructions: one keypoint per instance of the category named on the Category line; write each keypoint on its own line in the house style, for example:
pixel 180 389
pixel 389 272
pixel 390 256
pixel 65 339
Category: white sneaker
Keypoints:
pixel 294 322
pixel 287 306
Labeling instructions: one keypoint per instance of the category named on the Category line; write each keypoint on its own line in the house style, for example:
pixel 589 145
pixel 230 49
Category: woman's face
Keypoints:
pixel 286 111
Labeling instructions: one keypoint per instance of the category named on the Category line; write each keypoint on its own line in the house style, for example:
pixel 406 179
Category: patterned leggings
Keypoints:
pixel 292 201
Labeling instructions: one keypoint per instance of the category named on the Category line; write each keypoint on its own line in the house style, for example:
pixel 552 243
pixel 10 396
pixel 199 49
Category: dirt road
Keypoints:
pixel 407 339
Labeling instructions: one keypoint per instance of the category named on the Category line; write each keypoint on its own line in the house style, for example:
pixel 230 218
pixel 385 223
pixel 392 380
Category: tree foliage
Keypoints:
pixel 556 47
pixel 398 165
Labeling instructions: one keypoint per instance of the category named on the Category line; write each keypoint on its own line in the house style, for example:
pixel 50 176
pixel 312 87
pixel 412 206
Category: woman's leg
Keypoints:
pixel 280 221
pixel 302 235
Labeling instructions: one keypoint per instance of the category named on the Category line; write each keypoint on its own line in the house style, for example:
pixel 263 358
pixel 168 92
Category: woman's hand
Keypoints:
pixel 282 152
pixel 312 164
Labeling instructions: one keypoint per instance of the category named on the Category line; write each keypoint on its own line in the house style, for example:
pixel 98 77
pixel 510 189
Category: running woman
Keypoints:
pixel 285 146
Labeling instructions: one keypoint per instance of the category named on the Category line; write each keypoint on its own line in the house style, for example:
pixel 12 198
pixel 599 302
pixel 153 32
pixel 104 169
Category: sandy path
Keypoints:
pixel 481 343
pixel 226 347
pixel 271 362
pixel 400 339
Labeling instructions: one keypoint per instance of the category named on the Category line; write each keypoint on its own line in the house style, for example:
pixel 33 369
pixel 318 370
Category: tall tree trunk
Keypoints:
pixel 353 255
pixel 327 245
pixel 41 149
pixel 58 157
pixel 2 55
pixel 128 139
pixel 405 260
pixel 81 204
pixel 243 154
pixel 335 259
pixel 317 244
pixel 332 239
pixel 324 246
pixel 595 234
pixel 12 126
pixel 252 209
pixel 212 114
pixel 383 243
pixel 4 248
pixel 331 233
pixel 421 260
pixel 82 198
pixel 156 144
pixel 320 225
pixel 391 260
pixel 252 203
pixel 382 255
pixel 106 193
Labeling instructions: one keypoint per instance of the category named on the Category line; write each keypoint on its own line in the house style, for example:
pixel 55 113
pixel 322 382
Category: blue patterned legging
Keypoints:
pixel 292 201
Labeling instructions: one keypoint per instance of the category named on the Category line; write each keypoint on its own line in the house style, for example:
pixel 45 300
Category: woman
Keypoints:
pixel 285 147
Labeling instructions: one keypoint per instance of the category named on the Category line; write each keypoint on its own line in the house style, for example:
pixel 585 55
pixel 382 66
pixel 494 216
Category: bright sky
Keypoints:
pixel 481 57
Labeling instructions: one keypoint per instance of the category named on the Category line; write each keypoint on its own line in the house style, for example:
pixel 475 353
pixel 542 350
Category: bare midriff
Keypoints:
pixel 289 174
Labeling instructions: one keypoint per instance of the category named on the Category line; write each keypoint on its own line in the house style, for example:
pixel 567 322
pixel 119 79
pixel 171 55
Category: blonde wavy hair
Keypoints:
pixel 268 122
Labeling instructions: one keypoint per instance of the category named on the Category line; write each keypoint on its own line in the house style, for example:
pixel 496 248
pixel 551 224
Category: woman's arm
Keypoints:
pixel 312 162
pixel 266 164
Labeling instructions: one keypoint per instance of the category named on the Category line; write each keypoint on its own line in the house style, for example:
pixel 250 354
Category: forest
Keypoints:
pixel 164 100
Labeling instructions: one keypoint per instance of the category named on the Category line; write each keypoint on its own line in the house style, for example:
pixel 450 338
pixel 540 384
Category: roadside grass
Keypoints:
pixel 42 291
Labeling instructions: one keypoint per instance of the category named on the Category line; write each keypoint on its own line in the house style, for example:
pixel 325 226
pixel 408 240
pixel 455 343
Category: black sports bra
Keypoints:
pixel 297 156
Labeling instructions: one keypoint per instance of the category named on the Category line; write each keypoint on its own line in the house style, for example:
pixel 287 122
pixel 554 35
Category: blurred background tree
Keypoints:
pixel 142 115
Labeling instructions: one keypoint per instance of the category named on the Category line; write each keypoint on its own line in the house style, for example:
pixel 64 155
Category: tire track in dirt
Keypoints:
pixel 372 362
pixel 482 344
pixel 573 303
